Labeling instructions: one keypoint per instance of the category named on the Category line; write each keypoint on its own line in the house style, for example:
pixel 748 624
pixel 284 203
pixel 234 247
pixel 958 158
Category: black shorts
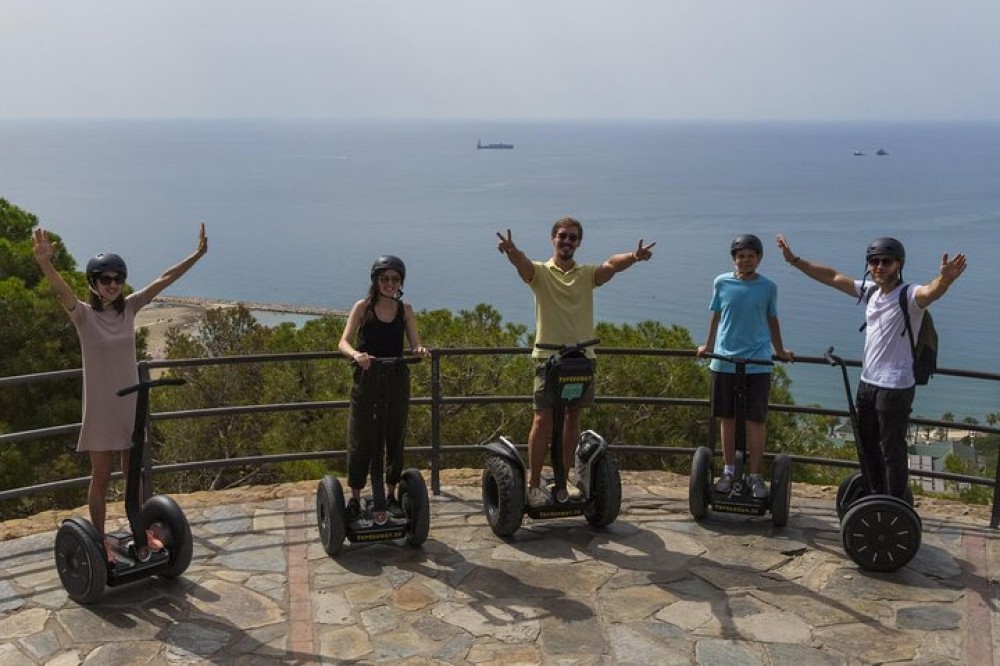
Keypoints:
pixel 758 393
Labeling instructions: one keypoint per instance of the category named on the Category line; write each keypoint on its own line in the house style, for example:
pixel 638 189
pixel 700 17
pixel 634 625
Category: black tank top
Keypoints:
pixel 381 339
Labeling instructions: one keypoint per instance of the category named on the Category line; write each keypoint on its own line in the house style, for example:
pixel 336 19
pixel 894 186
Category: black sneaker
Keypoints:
pixel 353 509
pixel 395 508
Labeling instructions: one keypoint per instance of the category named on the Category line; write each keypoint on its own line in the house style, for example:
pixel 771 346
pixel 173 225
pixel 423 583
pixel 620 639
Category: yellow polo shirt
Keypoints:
pixel 564 305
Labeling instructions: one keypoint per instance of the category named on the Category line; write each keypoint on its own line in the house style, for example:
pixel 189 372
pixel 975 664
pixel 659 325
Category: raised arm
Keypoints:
pixel 825 274
pixel 951 270
pixel 617 263
pixel 176 271
pixel 524 267
pixel 43 248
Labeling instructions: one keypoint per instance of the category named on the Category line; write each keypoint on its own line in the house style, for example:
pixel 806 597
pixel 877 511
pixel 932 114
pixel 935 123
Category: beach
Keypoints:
pixel 187 312
pixel 161 316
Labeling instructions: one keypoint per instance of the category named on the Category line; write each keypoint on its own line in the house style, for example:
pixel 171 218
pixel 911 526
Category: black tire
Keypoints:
pixel 606 491
pixel 416 506
pixel 881 533
pixel 700 483
pixel 330 513
pixel 854 488
pixel 164 511
pixel 503 496
pixel 781 489
pixel 81 561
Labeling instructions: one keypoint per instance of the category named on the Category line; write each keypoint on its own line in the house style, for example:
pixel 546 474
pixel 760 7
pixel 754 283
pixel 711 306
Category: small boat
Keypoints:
pixel 858 153
pixel 881 152
pixel 494 146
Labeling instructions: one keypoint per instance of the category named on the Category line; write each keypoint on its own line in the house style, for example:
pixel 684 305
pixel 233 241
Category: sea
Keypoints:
pixel 296 211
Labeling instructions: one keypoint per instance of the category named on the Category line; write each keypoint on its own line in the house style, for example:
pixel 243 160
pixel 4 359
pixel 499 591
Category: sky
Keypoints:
pixel 714 60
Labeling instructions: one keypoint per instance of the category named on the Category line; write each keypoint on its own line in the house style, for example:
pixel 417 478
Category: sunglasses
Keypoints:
pixel 111 279
pixel 881 261
pixel 390 279
pixel 572 238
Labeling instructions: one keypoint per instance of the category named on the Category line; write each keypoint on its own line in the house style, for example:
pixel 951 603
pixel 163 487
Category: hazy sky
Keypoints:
pixel 504 59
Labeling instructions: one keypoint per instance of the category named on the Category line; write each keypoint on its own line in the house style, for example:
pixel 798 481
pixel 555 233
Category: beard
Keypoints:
pixel 566 253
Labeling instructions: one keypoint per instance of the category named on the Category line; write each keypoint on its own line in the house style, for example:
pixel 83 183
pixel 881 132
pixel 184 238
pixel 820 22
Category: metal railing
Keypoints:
pixel 436 400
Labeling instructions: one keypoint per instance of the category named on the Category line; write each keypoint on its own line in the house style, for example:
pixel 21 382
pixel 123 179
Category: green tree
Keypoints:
pixel 36 336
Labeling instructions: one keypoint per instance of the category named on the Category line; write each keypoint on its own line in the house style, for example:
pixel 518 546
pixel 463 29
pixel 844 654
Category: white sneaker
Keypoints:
pixel 758 486
pixel 537 498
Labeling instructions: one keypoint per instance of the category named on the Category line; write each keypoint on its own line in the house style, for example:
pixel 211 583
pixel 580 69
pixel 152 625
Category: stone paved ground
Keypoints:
pixel 656 587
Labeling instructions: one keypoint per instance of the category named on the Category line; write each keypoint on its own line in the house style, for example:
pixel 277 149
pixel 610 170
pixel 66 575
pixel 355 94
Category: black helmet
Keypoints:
pixel 387 261
pixel 886 247
pixel 105 262
pixel 747 242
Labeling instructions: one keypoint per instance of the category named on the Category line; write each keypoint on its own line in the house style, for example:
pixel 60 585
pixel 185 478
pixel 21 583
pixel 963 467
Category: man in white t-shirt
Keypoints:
pixel 886 389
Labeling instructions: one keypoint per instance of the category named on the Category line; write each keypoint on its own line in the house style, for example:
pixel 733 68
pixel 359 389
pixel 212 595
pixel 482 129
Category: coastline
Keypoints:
pixel 187 313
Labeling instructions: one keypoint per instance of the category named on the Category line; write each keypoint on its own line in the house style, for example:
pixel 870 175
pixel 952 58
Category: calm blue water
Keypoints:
pixel 297 211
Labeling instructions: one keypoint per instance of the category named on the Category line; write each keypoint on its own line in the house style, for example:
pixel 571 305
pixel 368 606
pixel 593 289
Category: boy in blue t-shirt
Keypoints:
pixel 744 324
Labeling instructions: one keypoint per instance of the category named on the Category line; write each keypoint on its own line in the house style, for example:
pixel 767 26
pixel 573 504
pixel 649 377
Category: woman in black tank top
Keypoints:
pixel 375 329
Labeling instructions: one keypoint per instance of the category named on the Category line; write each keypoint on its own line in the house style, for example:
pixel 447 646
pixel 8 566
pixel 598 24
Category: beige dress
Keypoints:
pixel 107 341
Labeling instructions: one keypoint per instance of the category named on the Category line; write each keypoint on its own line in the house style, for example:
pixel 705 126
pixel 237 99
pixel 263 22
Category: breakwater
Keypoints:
pixel 284 308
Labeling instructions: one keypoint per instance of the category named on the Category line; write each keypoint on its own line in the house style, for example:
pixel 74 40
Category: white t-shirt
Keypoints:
pixel 888 357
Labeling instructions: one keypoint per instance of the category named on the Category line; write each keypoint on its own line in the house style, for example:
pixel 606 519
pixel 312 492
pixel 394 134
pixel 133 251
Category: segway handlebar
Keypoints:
pixel 153 383
pixel 739 360
pixel 570 347
pixel 392 360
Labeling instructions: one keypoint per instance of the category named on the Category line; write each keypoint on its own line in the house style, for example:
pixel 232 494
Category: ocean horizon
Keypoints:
pixel 296 212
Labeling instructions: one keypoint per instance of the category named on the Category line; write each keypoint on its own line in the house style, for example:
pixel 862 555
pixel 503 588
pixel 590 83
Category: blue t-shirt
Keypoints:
pixel 744 308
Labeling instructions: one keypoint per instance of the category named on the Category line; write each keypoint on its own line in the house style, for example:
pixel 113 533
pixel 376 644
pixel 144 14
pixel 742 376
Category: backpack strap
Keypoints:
pixel 869 292
pixel 903 305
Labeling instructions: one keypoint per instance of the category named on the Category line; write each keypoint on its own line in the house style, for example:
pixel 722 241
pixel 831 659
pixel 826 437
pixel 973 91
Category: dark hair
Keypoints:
pixel 564 222
pixel 118 304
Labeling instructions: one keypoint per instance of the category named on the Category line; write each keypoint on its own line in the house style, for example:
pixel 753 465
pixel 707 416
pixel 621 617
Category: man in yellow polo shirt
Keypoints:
pixel 564 314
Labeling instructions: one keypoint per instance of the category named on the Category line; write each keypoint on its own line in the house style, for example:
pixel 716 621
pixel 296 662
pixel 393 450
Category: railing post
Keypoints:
pixel 147 461
pixel 435 422
pixel 995 516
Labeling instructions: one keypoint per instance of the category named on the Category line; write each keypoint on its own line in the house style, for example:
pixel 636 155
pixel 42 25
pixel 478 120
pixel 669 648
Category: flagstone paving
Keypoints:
pixel 656 587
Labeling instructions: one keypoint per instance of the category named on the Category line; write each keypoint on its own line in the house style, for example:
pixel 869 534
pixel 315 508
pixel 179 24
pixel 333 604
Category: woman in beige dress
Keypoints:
pixel 106 328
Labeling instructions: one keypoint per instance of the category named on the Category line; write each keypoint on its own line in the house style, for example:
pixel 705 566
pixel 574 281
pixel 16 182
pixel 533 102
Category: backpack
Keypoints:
pixel 925 347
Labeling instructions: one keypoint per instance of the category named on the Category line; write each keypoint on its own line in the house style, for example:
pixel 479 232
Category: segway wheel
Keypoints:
pixel 850 491
pixel 416 506
pixel 503 496
pixel 162 511
pixel 881 533
pixel 81 561
pixel 781 489
pixel 607 493
pixel 330 512
pixel 854 488
pixel 700 483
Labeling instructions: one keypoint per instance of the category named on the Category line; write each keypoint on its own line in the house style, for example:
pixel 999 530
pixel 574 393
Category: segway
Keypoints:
pixel 335 524
pixel 80 555
pixel 880 533
pixel 702 494
pixel 567 377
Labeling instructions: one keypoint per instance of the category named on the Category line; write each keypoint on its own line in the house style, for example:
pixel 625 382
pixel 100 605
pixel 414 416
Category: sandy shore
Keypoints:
pixel 187 312
pixel 158 318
